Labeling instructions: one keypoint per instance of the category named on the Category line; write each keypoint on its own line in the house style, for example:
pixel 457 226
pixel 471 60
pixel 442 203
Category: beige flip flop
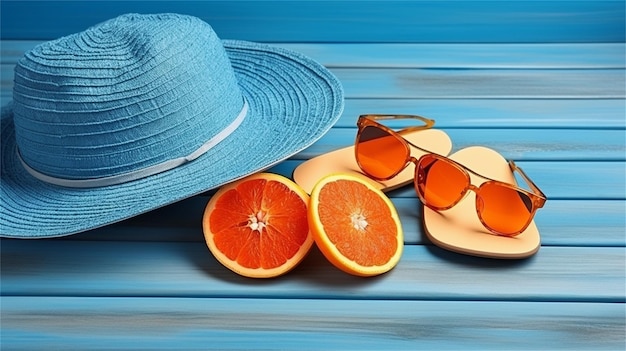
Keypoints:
pixel 459 229
pixel 308 173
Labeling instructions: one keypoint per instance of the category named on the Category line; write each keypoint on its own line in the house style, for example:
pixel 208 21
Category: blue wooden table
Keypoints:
pixel 542 82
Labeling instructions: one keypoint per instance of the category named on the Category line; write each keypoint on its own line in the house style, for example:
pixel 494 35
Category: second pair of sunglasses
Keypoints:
pixel 440 182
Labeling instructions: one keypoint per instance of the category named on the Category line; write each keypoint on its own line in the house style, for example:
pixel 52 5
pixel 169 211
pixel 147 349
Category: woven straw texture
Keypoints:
pixel 139 90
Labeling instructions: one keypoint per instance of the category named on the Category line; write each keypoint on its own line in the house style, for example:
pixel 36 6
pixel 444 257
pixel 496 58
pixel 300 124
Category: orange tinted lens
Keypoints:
pixel 504 209
pixel 380 154
pixel 440 183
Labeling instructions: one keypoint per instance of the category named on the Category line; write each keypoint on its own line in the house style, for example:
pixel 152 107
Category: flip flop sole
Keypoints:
pixel 459 229
pixel 308 173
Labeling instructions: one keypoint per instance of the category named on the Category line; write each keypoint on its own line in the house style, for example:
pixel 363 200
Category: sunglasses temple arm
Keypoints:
pixel 530 183
pixel 413 129
pixel 428 123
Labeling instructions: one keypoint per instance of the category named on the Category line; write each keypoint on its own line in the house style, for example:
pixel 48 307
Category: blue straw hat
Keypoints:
pixel 145 110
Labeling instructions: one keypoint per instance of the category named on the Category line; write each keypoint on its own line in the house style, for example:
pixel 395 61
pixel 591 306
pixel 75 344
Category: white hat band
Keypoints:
pixel 143 172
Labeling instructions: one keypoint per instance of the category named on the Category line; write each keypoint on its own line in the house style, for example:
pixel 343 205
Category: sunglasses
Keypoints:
pixel 441 183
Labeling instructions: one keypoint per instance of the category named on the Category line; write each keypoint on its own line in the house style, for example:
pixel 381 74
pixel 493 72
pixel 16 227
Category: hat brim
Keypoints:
pixel 293 101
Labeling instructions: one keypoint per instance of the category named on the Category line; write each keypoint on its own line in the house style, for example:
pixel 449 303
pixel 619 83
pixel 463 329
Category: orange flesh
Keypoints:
pixel 259 224
pixel 358 222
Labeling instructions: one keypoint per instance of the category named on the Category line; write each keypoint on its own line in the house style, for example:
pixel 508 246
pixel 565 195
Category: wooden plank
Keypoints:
pixel 605 179
pixel 344 21
pixel 458 56
pixel 518 144
pixel 223 323
pixel 452 55
pixel 174 269
pixel 492 113
pixel 605 220
pixel 560 222
pixel 463 84
pixel 482 83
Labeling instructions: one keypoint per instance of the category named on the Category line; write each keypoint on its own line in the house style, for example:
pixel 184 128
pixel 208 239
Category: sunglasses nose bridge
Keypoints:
pixel 480 204
pixel 479 200
pixel 415 162
pixel 473 188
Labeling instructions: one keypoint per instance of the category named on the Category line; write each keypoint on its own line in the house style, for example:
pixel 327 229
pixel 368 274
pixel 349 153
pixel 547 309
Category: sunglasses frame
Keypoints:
pixel 537 200
pixel 369 120
pixel 537 197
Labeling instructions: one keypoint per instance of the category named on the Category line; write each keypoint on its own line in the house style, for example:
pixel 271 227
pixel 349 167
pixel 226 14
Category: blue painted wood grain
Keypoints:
pixel 581 114
pixel 187 269
pixel 344 21
pixel 516 143
pixel 308 324
pixel 381 83
pixel 480 84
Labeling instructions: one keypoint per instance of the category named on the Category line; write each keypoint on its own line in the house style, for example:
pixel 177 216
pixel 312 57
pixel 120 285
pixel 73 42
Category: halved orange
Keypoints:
pixel 355 225
pixel 257 226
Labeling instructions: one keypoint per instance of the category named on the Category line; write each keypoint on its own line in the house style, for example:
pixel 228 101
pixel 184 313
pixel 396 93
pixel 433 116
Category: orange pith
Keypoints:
pixel 355 225
pixel 257 226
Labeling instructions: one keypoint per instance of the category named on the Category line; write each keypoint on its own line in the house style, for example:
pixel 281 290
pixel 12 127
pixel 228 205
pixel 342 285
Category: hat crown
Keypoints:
pixel 130 93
